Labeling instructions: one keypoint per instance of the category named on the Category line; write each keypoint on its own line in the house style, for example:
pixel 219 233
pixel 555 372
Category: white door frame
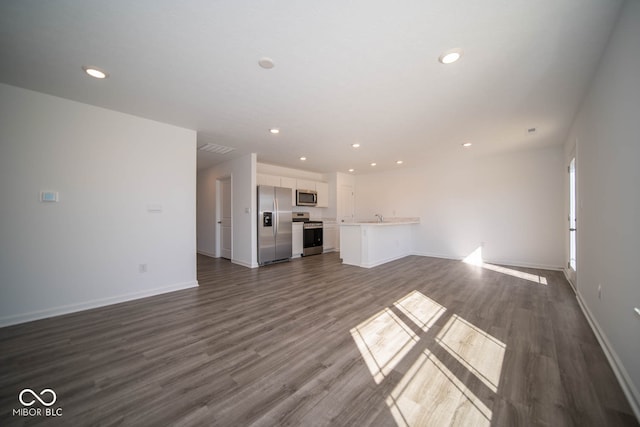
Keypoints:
pixel 571 272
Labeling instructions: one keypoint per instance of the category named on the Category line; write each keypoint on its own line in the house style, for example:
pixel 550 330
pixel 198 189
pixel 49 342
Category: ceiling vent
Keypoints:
pixel 215 148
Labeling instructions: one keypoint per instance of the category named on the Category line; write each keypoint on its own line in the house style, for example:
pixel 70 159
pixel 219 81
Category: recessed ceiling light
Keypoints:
pixel 274 131
pixel 450 56
pixel 356 145
pixel 373 163
pixel 399 162
pixel 266 63
pixel 303 158
pixel 352 170
pixel 95 72
pixel 467 144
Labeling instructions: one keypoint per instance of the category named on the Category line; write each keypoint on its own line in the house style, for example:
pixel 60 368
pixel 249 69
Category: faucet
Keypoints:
pixel 380 218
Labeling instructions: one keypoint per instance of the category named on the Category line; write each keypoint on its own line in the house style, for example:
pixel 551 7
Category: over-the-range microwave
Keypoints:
pixel 306 198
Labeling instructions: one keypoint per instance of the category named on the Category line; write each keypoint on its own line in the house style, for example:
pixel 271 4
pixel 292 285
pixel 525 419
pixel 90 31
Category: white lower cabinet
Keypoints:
pixel 296 242
pixel 330 237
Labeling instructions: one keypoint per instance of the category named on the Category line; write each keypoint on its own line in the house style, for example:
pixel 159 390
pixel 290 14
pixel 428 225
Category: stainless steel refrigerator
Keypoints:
pixel 274 224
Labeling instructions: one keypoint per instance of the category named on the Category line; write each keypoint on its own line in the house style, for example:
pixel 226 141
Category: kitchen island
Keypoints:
pixel 371 243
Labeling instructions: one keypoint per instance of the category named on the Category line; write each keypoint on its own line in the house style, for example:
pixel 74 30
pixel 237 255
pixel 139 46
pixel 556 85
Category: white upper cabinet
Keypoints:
pixel 322 188
pixel 303 184
pixel 323 194
pixel 289 183
pixel 264 179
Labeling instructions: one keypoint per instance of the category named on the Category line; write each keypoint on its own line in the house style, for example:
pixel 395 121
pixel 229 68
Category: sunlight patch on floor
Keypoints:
pixel 475 258
pixel 422 310
pixel 383 340
pixel 431 395
pixel 515 273
pixel 479 352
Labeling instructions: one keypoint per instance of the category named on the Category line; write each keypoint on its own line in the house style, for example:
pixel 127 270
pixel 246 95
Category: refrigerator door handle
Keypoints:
pixel 276 220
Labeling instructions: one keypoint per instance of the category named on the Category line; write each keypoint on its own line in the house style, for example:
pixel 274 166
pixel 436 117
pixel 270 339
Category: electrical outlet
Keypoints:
pixel 142 268
pixel 599 291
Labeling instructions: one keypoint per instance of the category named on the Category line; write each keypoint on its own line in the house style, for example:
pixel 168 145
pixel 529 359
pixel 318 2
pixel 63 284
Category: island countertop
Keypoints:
pixel 385 222
pixel 371 243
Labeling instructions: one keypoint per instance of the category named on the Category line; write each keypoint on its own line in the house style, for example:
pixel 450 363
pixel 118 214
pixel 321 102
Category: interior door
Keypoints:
pixel 346 203
pixel 226 226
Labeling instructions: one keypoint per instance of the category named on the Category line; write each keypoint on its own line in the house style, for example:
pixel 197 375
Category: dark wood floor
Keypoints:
pixel 419 341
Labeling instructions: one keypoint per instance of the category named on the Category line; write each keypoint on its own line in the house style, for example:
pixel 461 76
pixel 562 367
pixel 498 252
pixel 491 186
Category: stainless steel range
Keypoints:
pixel 311 234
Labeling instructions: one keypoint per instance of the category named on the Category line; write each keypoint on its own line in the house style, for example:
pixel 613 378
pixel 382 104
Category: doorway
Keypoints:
pixel 224 213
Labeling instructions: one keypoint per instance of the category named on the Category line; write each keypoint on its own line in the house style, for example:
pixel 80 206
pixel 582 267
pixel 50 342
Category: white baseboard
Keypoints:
pixel 379 262
pixel 209 254
pixel 434 255
pixel 509 263
pixel 233 261
pixel 86 305
pixel 244 264
pixel 618 368
pixel 566 276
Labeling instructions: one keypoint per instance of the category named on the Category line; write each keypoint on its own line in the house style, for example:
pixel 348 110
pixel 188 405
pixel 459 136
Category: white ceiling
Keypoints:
pixel 345 71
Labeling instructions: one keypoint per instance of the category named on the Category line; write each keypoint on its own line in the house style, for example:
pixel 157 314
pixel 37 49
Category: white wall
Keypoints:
pixel 513 202
pixel 85 250
pixel 608 174
pixel 243 198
